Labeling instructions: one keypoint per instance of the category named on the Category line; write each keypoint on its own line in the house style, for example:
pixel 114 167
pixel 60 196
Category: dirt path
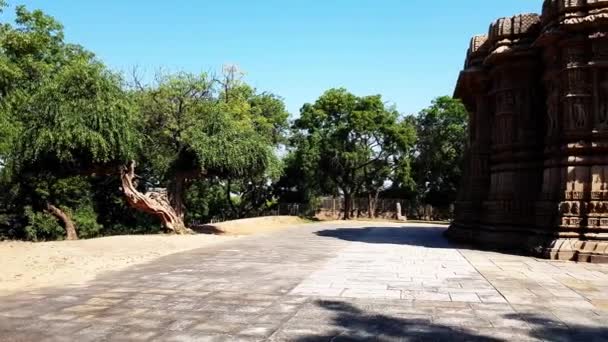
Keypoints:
pixel 28 265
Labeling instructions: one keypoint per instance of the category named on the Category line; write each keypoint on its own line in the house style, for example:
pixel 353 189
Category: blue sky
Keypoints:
pixel 410 51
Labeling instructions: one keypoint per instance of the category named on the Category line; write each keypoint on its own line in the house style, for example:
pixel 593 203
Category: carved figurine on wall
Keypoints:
pixel 602 114
pixel 552 110
pixel 578 116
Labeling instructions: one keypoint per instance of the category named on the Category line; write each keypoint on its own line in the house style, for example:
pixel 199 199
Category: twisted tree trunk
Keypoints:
pixel 66 220
pixel 155 203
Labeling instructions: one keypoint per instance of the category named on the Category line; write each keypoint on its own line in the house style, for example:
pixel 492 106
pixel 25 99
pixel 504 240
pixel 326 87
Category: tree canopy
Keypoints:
pixel 67 113
pixel 355 143
pixel 440 149
pixel 86 151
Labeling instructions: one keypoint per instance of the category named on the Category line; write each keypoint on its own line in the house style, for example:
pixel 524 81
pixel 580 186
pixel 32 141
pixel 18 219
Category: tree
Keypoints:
pixel 439 152
pixel 199 127
pixel 68 114
pixel 78 122
pixel 301 181
pixel 71 138
pixel 355 141
pixel 254 189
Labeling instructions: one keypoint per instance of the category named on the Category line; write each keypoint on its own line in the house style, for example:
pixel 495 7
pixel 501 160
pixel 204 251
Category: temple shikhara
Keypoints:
pixel 536 174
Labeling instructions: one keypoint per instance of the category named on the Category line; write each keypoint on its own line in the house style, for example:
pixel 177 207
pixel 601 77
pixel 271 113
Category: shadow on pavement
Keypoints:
pixel 431 237
pixel 352 324
pixel 550 330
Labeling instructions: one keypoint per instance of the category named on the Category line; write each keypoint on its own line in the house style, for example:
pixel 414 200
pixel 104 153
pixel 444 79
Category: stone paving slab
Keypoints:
pixel 324 283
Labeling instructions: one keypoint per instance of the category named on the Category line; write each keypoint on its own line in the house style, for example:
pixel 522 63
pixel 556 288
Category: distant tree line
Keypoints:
pixel 85 151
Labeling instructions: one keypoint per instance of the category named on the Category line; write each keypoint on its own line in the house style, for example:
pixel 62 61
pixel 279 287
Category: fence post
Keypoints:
pixel 333 207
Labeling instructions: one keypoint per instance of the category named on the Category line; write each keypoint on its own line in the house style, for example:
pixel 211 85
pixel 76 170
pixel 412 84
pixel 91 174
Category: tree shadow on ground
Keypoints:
pixel 422 236
pixel 353 324
pixel 547 329
pixel 208 229
pixel 431 237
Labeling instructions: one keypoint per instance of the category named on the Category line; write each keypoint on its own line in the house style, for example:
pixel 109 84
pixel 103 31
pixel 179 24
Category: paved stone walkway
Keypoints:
pixel 324 283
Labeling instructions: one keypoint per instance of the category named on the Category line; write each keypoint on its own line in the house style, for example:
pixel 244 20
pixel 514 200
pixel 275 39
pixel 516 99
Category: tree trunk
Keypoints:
pixel 375 203
pixel 347 206
pixel 155 203
pixel 66 220
pixel 176 192
pixel 370 205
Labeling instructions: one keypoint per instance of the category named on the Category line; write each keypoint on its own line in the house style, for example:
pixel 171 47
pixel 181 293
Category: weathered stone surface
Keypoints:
pixel 536 87
pixel 324 282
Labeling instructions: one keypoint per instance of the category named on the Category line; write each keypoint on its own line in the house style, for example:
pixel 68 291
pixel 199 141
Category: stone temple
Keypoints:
pixel 536 174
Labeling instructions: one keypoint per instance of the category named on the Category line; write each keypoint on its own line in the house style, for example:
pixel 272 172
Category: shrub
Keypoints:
pixel 42 226
pixel 85 219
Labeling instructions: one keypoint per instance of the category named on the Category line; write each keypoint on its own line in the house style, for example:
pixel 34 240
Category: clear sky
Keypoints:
pixel 410 51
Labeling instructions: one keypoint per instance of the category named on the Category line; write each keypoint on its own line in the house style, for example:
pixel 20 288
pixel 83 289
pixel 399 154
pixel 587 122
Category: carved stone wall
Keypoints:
pixel 536 173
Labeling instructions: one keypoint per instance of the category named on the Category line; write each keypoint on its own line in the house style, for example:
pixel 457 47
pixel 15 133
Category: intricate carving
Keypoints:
pixel 600 47
pixel 601 117
pixel 577 81
pixel 553 99
pixel 576 114
pixel 545 183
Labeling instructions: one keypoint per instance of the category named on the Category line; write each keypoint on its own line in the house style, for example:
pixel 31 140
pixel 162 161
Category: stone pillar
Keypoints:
pixel 505 154
pixel 577 167
pixel 472 91
pixel 516 169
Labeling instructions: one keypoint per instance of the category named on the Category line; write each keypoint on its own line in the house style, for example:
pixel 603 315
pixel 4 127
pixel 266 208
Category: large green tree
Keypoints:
pixel 438 162
pixel 67 114
pixel 68 123
pixel 353 143
pixel 197 127
pixel 252 192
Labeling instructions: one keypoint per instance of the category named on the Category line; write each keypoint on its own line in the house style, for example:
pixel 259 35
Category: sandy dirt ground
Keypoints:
pixel 27 265
pixel 254 225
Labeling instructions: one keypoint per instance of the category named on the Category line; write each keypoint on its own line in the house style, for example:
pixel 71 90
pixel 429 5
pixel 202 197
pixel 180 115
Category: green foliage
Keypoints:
pixel 194 126
pixel 269 116
pixel 204 128
pixel 42 226
pixel 63 106
pixel 72 194
pixel 77 118
pixel 206 201
pixel 29 50
pixel 354 144
pixel 85 219
pixel 67 124
pixel 64 116
pixel 228 147
pixel 442 132
pixel 301 181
